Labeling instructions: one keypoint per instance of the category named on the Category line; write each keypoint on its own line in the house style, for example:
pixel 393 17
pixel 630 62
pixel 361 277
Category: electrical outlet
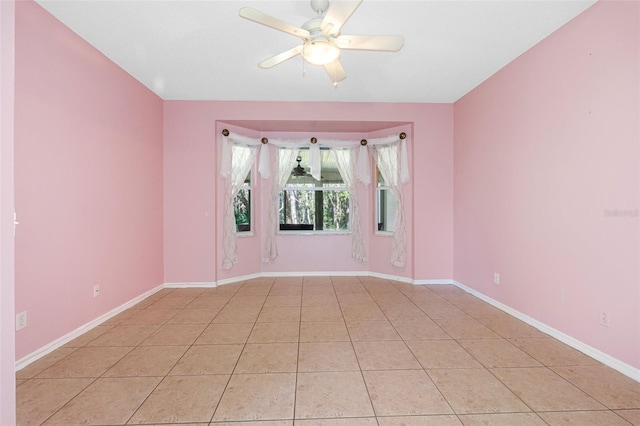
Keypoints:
pixel 605 319
pixel 96 290
pixel 21 320
pixel 496 278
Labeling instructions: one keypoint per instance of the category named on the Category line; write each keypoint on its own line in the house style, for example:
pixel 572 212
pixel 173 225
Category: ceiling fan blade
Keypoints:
pixel 370 42
pixel 281 57
pixel 335 71
pixel 337 14
pixel 264 19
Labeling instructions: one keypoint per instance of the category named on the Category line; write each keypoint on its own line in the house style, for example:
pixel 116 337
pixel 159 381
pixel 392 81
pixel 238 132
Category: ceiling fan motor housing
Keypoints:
pixel 318 48
pixel 314 26
pixel 320 6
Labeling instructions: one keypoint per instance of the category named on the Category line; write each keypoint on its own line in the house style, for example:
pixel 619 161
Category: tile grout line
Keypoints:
pixel 373 409
pixel 163 378
pixel 95 379
pixel 477 360
pixel 542 365
pixel 167 374
pixel 413 354
pixel 196 339
pixel 295 388
pixel 241 351
pixel 102 376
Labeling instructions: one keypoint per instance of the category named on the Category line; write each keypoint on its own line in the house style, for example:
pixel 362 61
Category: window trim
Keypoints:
pixel 311 233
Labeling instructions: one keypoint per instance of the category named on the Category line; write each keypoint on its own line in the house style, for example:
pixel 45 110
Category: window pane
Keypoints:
pixel 304 205
pixel 336 210
pixel 297 207
pixel 298 210
pixel 242 210
pixel 386 211
pixel 242 206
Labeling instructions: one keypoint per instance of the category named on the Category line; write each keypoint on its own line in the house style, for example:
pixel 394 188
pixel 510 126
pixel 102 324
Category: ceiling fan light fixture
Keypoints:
pixel 320 52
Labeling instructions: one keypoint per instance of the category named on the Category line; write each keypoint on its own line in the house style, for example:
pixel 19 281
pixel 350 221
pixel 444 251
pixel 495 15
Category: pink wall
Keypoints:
pixel 191 179
pixel 7 330
pixel 88 181
pixel 189 190
pixel 542 150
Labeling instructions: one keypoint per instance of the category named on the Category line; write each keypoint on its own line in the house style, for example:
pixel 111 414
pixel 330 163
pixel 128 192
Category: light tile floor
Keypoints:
pixel 321 351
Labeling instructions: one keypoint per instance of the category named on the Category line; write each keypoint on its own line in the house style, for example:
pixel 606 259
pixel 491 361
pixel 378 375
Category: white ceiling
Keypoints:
pixel 203 50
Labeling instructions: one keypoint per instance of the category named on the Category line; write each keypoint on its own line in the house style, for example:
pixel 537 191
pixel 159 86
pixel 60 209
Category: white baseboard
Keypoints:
pixel 433 282
pixel 608 360
pixel 239 278
pixel 389 277
pixel 316 274
pixel 45 350
pixel 338 274
pixel 303 274
pixel 198 284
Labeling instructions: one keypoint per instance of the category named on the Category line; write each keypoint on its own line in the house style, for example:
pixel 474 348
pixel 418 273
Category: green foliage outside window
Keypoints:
pixel 242 208
pixel 299 206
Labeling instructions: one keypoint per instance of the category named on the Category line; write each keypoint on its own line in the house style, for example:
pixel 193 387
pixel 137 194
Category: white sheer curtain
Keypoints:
pixel 362 169
pixel 240 161
pixel 346 162
pixel 388 160
pixel 285 160
pixel 315 161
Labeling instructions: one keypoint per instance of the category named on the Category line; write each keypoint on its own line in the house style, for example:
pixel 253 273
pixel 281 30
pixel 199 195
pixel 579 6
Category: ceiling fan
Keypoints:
pixel 321 39
pixel 299 171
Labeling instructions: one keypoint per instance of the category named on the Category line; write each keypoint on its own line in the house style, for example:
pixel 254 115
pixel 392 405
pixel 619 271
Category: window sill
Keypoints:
pixel 244 234
pixel 310 233
pixel 384 234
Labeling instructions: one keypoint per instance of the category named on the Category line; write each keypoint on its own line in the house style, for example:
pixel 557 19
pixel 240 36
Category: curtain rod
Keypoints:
pixel 314 140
